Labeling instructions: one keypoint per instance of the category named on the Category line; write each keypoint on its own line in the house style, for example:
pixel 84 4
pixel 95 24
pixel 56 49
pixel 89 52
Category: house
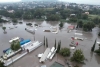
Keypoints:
pixel 10 11
pixel 87 13
pixel 72 14
pixel 71 27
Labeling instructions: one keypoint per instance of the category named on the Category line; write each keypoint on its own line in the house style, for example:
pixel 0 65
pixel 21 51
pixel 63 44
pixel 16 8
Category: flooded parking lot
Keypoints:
pixel 31 60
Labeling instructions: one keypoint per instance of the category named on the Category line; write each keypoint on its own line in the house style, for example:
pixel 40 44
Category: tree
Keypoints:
pixel 76 66
pixel 73 19
pixel 61 24
pixel 46 42
pixel 53 17
pixel 65 52
pixel 80 24
pixel 38 13
pixel 1 64
pixel 20 22
pixel 55 44
pixel 93 47
pixel 64 13
pixel 98 50
pixel 78 56
pixel 18 13
pixel 14 20
pixel 29 24
pixel 88 26
pixel 99 25
pixel 15 45
pixel 96 20
pixel 62 6
pixel 28 15
pixel 4 28
pixel 59 46
pixel 84 16
pixel 99 34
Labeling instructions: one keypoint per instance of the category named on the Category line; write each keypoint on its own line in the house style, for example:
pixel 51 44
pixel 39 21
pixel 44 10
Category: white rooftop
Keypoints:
pixel 44 56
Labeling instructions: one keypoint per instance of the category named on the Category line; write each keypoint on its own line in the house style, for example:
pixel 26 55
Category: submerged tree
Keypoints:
pixel 78 56
pixel 76 66
pixel 59 46
pixel 65 52
pixel 14 20
pixel 61 24
pixel 88 26
pixel 93 47
pixel 99 34
pixel 80 24
pixel 98 50
pixel 46 42
pixel 1 64
pixel 55 44
pixel 15 45
pixel 4 28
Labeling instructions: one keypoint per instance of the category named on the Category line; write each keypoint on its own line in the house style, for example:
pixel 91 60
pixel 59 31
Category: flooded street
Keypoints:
pixel 31 60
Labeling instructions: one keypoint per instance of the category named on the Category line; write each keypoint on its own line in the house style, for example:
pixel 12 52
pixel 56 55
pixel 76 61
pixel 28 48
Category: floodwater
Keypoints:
pixel 31 60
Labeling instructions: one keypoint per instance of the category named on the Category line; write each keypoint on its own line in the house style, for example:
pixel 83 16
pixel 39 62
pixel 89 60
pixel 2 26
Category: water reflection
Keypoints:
pixel 97 57
pixel 55 23
pixel 87 35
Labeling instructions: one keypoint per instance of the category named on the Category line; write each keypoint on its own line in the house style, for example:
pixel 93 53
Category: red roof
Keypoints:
pixel 71 27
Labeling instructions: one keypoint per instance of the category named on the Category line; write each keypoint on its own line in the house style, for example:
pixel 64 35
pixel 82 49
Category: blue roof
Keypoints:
pixel 24 41
pixel 21 39
pixel 6 50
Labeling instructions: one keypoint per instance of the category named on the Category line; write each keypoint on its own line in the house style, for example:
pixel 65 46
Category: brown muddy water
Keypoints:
pixel 31 60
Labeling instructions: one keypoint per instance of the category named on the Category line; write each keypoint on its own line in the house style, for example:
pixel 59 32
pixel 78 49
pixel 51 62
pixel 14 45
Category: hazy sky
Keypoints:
pixel 96 2
pixel 9 0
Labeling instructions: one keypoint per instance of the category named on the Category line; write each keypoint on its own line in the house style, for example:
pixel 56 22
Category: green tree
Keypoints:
pixel 76 66
pixel 4 28
pixel 38 13
pixel 73 19
pixel 96 20
pixel 1 64
pixel 65 52
pixel 98 50
pixel 99 25
pixel 84 16
pixel 61 24
pixel 62 6
pixel 55 44
pixel 64 14
pixel 88 26
pixel 78 56
pixel 15 45
pixel 14 20
pixel 59 46
pixel 46 42
pixel 80 24
pixel 18 13
pixel 53 17
pixel 28 15
pixel 99 34
pixel 20 22
pixel 29 24
pixel 93 47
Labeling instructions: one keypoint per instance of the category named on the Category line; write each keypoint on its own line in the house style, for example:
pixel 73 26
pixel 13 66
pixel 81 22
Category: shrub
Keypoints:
pixel 65 52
